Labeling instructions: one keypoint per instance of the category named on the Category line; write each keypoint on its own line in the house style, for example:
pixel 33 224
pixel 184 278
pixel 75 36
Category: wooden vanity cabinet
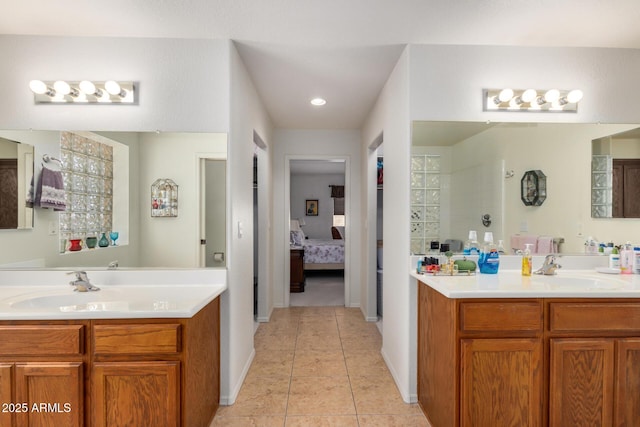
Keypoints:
pixel 479 362
pixel 528 362
pixel 159 372
pixel 121 372
pixel 42 373
pixel 594 362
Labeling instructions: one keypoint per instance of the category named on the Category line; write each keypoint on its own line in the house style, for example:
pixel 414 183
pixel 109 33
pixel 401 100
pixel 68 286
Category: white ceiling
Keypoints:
pixel 341 50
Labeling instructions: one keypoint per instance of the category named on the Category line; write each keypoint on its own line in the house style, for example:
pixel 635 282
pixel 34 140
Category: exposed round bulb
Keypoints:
pixel 38 86
pixel 574 96
pixel 505 95
pixel 87 87
pixel 62 87
pixel 552 95
pixel 112 87
pixel 528 95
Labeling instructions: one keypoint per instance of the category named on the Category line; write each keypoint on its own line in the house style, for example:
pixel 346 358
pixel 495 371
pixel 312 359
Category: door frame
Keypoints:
pixel 347 228
pixel 201 158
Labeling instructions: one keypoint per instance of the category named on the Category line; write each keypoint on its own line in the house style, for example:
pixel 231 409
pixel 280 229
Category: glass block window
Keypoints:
pixel 425 201
pixel 601 186
pixel 87 169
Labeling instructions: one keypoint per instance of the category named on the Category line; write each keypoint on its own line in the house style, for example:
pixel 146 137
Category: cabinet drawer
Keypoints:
pixel 501 317
pixel 594 316
pixel 36 340
pixel 136 339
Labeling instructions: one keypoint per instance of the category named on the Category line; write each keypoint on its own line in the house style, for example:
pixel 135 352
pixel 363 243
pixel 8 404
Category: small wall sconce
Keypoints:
pixel 82 92
pixel 552 100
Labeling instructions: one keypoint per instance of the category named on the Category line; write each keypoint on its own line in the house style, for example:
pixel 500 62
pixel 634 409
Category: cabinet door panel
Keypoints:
pixel 6 394
pixel 53 392
pixel 627 410
pixel 581 382
pixel 136 394
pixel 501 382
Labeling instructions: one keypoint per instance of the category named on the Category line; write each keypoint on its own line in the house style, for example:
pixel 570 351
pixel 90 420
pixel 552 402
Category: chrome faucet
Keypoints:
pixel 82 283
pixel 549 266
pixel 112 265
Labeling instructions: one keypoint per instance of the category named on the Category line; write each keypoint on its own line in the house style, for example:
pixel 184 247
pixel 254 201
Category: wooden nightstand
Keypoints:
pixel 297 270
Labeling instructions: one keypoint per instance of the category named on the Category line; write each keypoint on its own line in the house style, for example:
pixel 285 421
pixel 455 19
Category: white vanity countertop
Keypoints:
pixel 123 294
pixel 511 284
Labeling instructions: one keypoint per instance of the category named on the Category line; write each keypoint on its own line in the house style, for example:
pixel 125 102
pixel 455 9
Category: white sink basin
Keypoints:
pixel 580 282
pixel 133 298
pixel 77 301
pixel 45 294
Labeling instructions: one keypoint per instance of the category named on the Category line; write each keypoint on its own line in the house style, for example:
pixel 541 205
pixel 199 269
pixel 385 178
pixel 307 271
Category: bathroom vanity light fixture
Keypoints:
pixel 83 92
pixel 552 100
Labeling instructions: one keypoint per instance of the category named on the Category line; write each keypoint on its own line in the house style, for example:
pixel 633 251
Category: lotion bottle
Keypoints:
pixel 626 259
pixel 614 258
pixel 526 260
pixel 636 259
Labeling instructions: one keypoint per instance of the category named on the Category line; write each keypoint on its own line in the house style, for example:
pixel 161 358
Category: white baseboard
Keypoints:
pixel 231 399
pixel 407 397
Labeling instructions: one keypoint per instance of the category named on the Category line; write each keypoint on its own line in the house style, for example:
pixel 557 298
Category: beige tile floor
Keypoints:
pixel 319 366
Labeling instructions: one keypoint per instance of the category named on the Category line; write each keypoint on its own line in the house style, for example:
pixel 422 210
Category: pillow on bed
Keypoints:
pixel 297 238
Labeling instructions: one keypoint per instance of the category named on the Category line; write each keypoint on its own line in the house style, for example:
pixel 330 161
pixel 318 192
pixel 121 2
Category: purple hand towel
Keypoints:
pixel 50 190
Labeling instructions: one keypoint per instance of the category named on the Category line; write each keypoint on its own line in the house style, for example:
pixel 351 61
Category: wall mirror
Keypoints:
pixel 16 174
pixel 149 242
pixel 615 175
pixel 469 169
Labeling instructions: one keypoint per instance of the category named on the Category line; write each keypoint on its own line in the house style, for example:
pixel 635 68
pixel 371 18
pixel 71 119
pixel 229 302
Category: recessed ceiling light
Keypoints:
pixel 318 102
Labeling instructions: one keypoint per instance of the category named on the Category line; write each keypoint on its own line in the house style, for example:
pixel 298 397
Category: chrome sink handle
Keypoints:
pixel 82 283
pixel 549 266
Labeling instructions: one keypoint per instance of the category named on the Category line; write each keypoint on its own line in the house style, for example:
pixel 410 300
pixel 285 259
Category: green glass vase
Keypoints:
pixel 104 242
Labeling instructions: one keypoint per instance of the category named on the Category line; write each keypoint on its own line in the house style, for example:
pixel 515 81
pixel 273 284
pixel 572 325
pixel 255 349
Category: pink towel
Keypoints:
pixel 518 242
pixel 546 245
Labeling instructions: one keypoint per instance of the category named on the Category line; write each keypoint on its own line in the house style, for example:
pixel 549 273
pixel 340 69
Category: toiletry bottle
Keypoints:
pixel 471 246
pixel 614 258
pixel 419 266
pixel 501 247
pixel 626 259
pixel 489 260
pixel 526 260
pixel 636 259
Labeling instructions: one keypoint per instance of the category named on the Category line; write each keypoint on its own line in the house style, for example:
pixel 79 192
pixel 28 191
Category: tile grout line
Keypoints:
pixel 295 347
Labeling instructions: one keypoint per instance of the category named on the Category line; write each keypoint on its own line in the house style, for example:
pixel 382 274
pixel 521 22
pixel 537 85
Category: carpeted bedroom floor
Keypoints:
pixel 322 288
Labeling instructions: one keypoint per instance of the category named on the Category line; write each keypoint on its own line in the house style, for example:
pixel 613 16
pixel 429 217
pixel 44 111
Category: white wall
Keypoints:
pixel 316 187
pixel 182 84
pixel 247 115
pixel 391 116
pixel 316 144
pixel 446 83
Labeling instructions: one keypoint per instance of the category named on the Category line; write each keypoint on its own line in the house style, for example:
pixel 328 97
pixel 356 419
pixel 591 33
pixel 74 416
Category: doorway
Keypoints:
pixel 315 213
pixel 213 212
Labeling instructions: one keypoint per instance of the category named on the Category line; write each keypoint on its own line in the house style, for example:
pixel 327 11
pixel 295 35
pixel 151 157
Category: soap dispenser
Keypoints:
pixel 526 260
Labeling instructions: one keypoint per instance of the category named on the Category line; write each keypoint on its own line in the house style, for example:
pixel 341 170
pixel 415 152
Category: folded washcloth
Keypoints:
pixel 50 190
